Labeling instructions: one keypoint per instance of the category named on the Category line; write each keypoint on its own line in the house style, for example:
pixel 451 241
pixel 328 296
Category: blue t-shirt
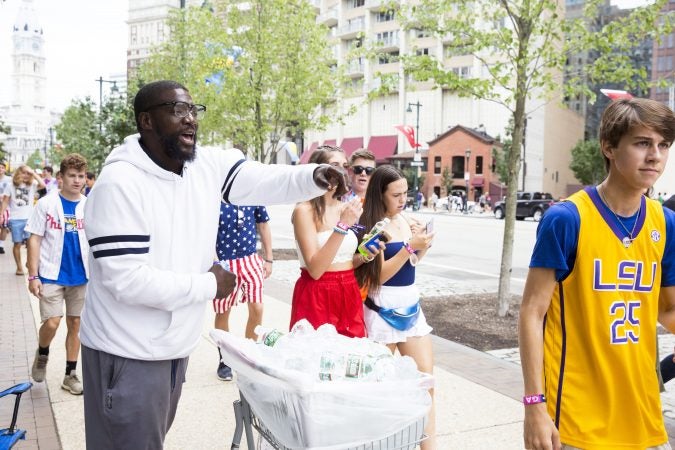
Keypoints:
pixel 72 271
pixel 558 233
pixel 236 230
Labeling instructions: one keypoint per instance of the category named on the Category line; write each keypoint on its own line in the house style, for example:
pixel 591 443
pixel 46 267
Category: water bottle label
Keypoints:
pixel 272 337
pixel 353 366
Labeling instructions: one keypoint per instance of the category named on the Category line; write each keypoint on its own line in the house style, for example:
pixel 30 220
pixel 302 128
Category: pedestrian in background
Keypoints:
pixel 51 183
pixel 602 273
pixel 5 182
pixel 236 249
pixel 392 311
pixel 57 267
pixel 152 223
pixel 91 180
pixel 20 201
pixel 326 291
pixel 361 166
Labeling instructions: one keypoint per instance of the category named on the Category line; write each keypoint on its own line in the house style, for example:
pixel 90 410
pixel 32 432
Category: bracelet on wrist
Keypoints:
pixel 34 277
pixel 343 226
pixel 534 399
pixel 409 248
pixel 412 256
pixel 339 230
pixel 268 260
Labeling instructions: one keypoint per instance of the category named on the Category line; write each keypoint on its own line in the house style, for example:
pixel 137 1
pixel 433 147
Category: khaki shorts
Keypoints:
pixel 665 446
pixel 53 296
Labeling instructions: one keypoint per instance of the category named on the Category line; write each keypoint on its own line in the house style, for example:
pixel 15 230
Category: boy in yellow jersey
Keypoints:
pixel 602 273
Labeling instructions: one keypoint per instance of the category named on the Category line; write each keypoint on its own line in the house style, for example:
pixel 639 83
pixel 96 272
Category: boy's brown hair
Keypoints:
pixel 624 114
pixel 73 161
pixel 361 153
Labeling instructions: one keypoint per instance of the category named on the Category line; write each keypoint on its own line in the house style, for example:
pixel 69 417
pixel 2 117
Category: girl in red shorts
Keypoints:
pixel 326 291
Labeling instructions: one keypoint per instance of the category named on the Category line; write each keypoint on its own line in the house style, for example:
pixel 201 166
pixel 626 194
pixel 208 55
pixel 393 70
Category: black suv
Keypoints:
pixel 528 204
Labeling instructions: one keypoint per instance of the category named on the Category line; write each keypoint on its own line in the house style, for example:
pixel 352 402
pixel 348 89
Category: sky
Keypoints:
pixel 84 40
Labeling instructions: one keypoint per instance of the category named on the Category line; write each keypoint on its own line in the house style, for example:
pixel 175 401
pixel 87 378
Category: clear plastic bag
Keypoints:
pixel 304 411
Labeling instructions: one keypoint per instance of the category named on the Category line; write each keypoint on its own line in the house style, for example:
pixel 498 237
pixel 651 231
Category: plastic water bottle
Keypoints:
pixel 377 232
pixel 268 336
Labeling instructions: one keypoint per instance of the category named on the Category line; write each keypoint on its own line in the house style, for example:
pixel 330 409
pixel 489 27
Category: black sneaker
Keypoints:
pixel 2 250
pixel 224 372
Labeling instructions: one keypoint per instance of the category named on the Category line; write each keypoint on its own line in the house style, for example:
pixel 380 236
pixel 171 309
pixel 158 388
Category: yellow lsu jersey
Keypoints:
pixel 600 332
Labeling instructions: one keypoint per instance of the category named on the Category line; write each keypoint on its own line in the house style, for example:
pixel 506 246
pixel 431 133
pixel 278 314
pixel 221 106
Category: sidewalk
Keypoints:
pixel 476 393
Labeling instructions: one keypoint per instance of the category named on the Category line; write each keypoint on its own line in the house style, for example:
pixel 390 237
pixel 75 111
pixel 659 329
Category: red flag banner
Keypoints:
pixel 616 94
pixel 408 132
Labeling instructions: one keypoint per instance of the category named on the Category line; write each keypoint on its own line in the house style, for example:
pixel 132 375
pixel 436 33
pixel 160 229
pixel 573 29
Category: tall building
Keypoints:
pixel 552 130
pixel 551 133
pixel 27 114
pixel 640 55
pixel 147 27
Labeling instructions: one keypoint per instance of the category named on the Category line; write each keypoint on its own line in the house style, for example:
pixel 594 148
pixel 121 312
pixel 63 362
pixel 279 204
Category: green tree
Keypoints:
pixel 588 165
pixel 271 61
pixel 521 48
pixel 84 130
pixel 4 129
pixel 446 179
pixel 35 159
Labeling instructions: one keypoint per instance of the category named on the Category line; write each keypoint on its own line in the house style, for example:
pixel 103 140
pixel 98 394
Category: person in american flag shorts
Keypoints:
pixel 236 251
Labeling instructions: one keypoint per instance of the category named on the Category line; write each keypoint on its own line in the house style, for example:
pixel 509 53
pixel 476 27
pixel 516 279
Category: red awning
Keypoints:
pixel 478 181
pixel 383 146
pixel 351 144
pixel 304 158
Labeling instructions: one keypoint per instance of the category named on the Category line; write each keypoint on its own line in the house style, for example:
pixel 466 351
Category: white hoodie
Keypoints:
pixel 152 237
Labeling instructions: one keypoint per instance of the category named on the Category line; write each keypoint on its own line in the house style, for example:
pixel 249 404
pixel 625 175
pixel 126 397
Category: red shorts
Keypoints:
pixel 250 278
pixel 334 298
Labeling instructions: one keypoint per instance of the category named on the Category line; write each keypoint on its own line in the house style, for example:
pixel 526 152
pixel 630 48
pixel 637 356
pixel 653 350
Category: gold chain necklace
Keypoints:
pixel 627 240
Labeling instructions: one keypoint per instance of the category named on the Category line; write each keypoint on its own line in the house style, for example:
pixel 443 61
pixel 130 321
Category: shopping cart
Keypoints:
pixel 246 421
pixel 292 411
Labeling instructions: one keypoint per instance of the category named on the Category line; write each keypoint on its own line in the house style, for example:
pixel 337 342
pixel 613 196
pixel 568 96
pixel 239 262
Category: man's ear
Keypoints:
pixel 145 121
pixel 606 149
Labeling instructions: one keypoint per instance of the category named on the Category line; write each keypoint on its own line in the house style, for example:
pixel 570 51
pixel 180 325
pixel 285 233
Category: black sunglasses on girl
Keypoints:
pixel 358 170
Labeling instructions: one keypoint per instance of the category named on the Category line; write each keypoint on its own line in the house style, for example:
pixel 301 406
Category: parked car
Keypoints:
pixel 528 204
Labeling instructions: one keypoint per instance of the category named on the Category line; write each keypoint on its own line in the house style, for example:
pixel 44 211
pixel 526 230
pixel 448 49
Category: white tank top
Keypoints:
pixel 344 254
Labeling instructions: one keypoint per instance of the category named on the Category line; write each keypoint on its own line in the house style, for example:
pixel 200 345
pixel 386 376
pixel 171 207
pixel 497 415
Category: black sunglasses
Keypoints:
pixel 358 170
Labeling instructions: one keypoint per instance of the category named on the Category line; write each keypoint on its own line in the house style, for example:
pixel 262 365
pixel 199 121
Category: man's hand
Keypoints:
pixel 35 287
pixel 332 179
pixel 540 432
pixel 225 280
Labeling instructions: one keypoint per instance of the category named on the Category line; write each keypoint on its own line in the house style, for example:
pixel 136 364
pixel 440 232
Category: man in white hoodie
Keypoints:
pixel 152 221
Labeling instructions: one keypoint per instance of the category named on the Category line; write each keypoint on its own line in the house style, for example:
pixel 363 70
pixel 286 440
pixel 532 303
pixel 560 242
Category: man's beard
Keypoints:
pixel 173 149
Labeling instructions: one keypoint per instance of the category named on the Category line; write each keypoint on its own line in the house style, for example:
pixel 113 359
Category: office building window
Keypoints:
pixel 458 166
pixel 356 3
pixel 437 165
pixel 388 58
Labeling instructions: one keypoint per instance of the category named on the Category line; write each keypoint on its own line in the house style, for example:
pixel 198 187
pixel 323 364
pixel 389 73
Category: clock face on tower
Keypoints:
pixel 36 46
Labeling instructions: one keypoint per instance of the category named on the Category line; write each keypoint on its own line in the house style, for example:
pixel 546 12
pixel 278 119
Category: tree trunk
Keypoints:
pixel 506 266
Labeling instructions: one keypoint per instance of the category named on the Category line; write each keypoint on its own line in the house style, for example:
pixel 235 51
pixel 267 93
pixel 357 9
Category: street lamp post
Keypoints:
pixel 417 157
pixel 113 90
pixel 467 179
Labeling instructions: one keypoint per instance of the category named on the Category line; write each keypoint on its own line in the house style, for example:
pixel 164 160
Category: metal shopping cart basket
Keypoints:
pixel 290 411
pixel 246 421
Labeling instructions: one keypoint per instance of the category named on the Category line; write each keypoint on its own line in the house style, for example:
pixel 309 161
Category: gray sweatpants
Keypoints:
pixel 128 403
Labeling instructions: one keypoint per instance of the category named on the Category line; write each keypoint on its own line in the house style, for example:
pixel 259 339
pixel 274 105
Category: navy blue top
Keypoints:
pixel 236 230
pixel 558 233
pixel 406 274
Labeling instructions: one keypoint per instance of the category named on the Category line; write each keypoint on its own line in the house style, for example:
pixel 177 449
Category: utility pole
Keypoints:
pixel 417 158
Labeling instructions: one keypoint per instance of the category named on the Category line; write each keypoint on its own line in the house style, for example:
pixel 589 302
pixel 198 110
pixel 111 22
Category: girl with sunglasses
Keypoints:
pixel 326 291
pixel 392 310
